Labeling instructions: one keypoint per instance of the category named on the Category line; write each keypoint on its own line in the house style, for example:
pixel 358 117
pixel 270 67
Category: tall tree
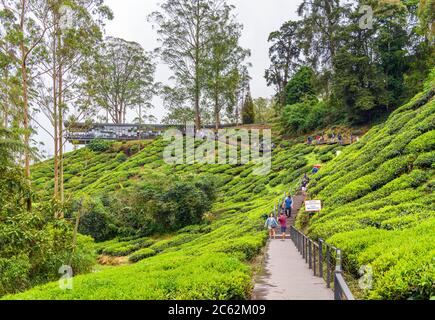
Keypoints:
pixel 74 32
pixel 358 87
pixel 184 29
pixel 300 87
pixel 120 77
pixel 222 63
pixel 248 111
pixel 322 20
pixel 26 35
pixel 284 56
pixel 264 110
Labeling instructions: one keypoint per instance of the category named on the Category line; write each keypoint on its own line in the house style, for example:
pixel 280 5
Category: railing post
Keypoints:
pixel 328 268
pixel 338 260
pixel 337 288
pixel 315 260
pixel 305 249
pixel 337 295
pixel 301 247
pixel 297 240
pixel 310 257
pixel 320 258
pixel 298 246
pixel 300 241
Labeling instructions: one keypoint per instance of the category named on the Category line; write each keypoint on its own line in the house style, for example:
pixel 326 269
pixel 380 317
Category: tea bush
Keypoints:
pixel 141 254
pixel 379 204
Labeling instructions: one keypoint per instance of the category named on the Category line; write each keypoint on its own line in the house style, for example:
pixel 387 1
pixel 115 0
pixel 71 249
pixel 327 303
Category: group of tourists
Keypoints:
pixel 274 222
pixel 331 138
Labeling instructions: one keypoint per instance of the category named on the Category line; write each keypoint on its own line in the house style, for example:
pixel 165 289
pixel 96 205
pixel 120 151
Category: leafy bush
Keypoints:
pixel 94 219
pixel 141 254
pixel 425 160
pixel 99 145
pixel 33 249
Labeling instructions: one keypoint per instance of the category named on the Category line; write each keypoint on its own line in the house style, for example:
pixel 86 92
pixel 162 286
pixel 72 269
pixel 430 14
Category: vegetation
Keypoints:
pixel 200 44
pixel 212 256
pixel 379 203
pixel 248 110
pixel 193 231
pixel 361 69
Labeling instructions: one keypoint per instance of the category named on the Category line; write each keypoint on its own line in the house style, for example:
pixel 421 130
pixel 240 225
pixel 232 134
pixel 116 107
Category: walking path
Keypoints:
pixel 286 275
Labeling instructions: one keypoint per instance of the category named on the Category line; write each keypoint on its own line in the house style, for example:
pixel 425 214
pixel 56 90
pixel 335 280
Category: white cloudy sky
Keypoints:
pixel 259 17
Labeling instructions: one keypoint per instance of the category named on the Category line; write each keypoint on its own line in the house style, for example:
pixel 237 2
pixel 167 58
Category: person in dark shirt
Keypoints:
pixel 283 223
pixel 288 206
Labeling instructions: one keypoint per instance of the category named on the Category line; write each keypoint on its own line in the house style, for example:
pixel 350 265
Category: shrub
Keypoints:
pixel 121 157
pixel 95 221
pixel 327 157
pixel 425 160
pixel 98 145
pixel 141 254
pixel 34 247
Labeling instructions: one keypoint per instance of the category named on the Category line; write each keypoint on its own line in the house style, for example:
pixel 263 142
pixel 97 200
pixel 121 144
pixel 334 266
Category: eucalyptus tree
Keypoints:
pixel 74 31
pixel 284 55
pixel 223 62
pixel 242 89
pixel 8 67
pixel 120 77
pixel 185 29
pixel 24 34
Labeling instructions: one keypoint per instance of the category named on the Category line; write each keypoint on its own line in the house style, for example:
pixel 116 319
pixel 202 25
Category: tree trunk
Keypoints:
pixel 60 114
pixel 197 97
pixel 216 110
pixel 55 122
pixel 25 104
pixel 197 79
pixel 6 109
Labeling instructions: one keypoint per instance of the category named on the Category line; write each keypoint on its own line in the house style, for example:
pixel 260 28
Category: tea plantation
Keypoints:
pixel 378 208
pixel 212 260
pixel 379 205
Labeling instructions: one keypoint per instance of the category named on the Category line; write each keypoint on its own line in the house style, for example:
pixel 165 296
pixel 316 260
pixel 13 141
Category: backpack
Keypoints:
pixel 274 223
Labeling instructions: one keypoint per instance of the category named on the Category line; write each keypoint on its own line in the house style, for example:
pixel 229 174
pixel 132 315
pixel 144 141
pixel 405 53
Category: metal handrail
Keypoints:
pixel 321 254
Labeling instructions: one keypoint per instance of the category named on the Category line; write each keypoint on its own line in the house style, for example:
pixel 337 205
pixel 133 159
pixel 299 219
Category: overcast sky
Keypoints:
pixel 259 17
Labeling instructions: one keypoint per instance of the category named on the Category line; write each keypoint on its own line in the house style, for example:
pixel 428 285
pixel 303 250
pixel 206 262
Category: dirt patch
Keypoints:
pixel 112 261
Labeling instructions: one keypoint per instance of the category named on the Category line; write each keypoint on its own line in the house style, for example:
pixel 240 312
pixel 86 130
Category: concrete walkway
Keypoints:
pixel 287 276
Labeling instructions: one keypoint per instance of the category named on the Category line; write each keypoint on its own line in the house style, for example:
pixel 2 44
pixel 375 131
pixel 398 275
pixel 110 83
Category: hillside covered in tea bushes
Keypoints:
pixel 214 259
pixel 378 208
pixel 379 205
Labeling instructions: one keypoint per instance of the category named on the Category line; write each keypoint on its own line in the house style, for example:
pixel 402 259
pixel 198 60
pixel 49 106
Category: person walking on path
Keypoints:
pixel 288 206
pixel 283 223
pixel 271 224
